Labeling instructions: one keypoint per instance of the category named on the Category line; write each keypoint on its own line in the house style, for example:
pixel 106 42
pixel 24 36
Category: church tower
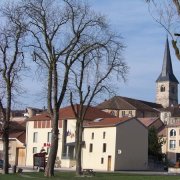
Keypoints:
pixel 167 84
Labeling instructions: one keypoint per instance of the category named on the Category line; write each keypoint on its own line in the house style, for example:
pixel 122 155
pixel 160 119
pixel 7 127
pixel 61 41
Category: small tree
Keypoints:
pixel 12 33
pixel 154 143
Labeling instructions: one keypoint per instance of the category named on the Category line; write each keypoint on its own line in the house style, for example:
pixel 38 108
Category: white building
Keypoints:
pixel 115 144
pixel 110 143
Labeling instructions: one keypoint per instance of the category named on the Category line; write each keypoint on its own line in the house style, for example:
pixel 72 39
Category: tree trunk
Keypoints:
pixel 78 148
pixel 6 149
pixel 49 171
pixel 6 130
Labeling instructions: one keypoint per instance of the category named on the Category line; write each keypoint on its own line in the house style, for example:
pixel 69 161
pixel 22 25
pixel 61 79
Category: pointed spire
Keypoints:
pixel 167 70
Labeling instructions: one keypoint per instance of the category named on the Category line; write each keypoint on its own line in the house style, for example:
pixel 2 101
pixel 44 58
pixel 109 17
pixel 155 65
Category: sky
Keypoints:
pixel 145 43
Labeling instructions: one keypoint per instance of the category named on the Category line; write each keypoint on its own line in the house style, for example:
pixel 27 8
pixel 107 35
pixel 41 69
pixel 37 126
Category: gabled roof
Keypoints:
pixel 106 122
pixel 17 130
pixel 67 113
pixel 16 126
pixel 124 103
pixel 149 121
pixel 110 122
pixel 167 70
pixel 20 135
pixel 40 117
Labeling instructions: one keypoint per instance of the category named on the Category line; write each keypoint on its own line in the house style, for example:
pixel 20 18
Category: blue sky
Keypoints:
pixel 145 43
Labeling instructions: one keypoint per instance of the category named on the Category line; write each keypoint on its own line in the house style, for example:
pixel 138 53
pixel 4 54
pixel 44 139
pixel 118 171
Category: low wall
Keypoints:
pixel 174 170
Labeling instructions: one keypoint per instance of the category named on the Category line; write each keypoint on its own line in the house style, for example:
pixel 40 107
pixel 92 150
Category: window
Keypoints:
pixel 49 137
pixel 123 113
pixel 130 112
pixel 35 135
pixel 172 144
pixel 112 113
pixel 92 136
pixel 90 147
pixel 104 147
pixel 172 132
pixel 172 89
pixel 162 88
pixel 34 150
pixel 104 135
pixel 102 160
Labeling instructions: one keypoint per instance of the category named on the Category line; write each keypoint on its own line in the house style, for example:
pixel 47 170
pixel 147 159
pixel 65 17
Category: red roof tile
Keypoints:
pixel 148 121
pixel 16 125
pixel 106 122
pixel 20 135
pixel 67 113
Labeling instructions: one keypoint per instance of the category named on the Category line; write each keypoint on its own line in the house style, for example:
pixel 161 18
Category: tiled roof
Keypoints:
pixel 148 121
pixel 16 125
pixel 175 110
pixel 17 129
pixel 106 122
pixel 67 113
pixel 124 103
pixel 20 135
pixel 40 117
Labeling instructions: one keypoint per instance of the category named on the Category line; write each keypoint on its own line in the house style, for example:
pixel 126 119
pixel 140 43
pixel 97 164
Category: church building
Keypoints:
pixel 167 84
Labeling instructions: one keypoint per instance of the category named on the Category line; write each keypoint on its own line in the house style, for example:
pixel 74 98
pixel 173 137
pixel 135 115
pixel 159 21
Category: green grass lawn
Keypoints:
pixel 98 176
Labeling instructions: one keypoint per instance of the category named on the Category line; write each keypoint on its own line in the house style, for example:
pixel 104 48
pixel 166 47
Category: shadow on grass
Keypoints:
pixel 98 176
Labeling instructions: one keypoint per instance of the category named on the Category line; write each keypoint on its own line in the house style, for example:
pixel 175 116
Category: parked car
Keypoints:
pixel 1 164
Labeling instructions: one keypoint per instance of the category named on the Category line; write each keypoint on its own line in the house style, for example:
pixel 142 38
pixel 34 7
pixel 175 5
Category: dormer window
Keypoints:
pixel 162 88
pixel 112 113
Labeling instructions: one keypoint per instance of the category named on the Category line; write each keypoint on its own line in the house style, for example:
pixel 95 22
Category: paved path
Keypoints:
pixel 30 169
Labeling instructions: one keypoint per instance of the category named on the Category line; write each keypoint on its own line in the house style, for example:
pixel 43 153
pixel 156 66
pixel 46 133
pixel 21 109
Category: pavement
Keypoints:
pixel 165 173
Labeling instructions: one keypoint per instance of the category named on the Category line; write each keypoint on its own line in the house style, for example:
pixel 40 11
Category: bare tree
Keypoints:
pixel 92 76
pixel 12 35
pixel 167 15
pixel 60 33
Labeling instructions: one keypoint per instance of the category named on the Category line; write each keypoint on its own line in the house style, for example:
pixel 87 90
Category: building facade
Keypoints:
pixel 17 146
pixel 108 141
pixel 115 144
pixel 124 106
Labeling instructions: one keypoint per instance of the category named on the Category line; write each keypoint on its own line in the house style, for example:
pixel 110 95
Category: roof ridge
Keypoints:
pixel 126 101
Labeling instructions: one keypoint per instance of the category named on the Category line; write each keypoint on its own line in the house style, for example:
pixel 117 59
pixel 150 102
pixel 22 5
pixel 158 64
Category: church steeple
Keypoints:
pixel 167 84
pixel 167 70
